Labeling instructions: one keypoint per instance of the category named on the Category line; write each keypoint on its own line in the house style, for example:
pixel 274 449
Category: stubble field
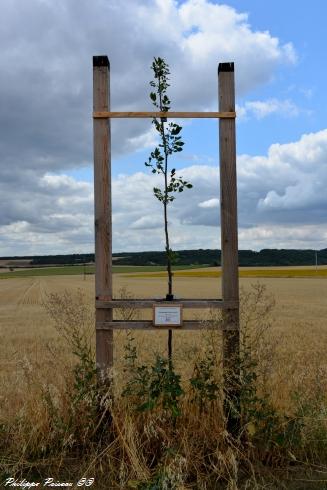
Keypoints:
pixel 35 359
pixel 299 317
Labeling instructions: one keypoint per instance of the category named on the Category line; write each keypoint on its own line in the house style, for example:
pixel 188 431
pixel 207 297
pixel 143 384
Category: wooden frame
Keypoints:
pixel 229 243
pixel 102 210
pixel 170 115
pixel 148 325
pixel 148 303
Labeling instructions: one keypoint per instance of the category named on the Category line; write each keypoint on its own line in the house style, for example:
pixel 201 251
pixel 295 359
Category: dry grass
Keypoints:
pixel 51 426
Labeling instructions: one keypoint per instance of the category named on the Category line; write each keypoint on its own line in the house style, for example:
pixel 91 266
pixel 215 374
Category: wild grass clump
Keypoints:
pixel 162 429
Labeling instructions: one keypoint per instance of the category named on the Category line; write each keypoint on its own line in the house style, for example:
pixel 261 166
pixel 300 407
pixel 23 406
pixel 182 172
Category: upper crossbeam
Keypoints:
pixel 170 115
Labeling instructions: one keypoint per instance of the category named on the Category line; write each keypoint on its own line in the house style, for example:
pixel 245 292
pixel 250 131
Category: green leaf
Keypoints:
pixel 176 130
pixel 149 405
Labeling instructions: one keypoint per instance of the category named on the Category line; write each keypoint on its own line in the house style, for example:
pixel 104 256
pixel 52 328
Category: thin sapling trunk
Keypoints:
pixel 170 143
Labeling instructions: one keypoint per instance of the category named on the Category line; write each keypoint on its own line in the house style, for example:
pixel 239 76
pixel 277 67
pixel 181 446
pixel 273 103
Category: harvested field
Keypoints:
pixel 301 303
pixel 36 366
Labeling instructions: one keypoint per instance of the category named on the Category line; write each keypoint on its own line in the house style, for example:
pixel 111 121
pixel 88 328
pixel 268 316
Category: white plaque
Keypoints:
pixel 167 315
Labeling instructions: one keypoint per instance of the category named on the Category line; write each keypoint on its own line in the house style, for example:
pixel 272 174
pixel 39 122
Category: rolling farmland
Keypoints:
pixel 300 295
pixel 36 361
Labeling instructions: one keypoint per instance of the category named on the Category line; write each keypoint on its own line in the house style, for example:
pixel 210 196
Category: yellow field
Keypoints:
pixel 300 313
pixel 36 367
pixel 299 324
pixel 267 272
pixel 299 299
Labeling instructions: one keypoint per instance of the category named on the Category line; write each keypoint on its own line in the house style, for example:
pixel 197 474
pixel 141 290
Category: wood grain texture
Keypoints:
pixel 228 192
pixel 102 214
pixel 170 114
pixel 229 245
pixel 148 303
pixel 148 325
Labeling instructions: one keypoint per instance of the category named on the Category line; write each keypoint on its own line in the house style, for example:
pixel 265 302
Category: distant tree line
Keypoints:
pixel 70 259
pixel 266 257
pixel 209 257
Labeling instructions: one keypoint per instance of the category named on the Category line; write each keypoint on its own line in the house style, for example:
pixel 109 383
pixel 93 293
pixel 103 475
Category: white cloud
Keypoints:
pixel 210 203
pixel 291 236
pixel 148 139
pixel 46 126
pixel 219 32
pixel 51 181
pixel 45 122
pixel 281 200
pixel 147 223
pixel 263 108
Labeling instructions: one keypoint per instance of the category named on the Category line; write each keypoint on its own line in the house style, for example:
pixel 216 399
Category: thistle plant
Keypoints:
pixel 170 142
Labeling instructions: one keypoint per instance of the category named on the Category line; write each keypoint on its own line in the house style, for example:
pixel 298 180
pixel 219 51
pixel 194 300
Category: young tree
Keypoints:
pixel 170 142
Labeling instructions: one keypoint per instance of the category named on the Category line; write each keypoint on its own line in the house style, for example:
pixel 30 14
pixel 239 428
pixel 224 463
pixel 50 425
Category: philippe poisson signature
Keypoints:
pixel 47 482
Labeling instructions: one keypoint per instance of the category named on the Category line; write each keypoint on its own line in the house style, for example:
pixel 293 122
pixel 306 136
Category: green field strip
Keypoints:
pixel 89 270
pixel 47 271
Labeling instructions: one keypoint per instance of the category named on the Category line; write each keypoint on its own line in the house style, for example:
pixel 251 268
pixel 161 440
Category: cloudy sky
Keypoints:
pixel 46 179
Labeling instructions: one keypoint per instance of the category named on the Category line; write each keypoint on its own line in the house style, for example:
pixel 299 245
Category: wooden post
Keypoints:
pixel 102 213
pixel 229 247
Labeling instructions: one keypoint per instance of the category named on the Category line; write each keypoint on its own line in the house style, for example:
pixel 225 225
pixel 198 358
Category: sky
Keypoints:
pixel 46 139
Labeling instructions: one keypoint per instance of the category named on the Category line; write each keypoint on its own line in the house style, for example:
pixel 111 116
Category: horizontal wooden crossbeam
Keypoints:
pixel 149 302
pixel 148 325
pixel 170 115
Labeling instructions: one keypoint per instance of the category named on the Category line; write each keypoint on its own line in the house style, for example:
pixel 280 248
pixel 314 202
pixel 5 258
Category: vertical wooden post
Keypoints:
pixel 102 212
pixel 229 246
